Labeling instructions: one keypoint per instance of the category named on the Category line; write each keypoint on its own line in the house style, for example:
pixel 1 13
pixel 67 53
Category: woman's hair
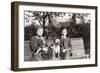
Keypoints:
pixel 34 30
pixel 38 27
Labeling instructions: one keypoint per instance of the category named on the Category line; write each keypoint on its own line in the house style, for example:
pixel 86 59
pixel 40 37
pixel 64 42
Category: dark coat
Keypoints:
pixel 65 43
pixel 35 43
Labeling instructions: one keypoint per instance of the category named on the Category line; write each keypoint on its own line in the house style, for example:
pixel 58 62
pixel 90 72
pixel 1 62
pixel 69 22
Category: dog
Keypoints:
pixel 56 49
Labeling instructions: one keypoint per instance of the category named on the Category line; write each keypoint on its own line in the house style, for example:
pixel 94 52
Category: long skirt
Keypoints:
pixel 37 57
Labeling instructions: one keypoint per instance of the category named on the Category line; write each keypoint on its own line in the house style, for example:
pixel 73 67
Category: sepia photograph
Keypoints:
pixel 53 36
pixel 56 35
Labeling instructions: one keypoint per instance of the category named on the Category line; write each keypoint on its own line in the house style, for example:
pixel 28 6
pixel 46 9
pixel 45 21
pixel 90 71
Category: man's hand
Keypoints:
pixel 64 50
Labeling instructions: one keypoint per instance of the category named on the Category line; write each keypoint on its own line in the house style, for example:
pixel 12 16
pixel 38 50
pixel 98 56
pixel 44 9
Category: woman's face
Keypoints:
pixel 64 32
pixel 40 32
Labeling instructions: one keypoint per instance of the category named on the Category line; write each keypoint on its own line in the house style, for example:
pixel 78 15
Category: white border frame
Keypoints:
pixel 33 64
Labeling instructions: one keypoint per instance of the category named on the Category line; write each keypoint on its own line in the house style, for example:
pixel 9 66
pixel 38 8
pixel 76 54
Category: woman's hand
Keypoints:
pixel 45 49
pixel 37 51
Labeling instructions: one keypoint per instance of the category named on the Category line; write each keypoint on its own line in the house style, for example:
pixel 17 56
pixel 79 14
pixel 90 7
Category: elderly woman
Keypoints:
pixel 38 45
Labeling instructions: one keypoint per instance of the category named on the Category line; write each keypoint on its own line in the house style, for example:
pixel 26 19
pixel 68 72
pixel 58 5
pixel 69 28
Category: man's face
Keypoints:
pixel 40 32
pixel 64 32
